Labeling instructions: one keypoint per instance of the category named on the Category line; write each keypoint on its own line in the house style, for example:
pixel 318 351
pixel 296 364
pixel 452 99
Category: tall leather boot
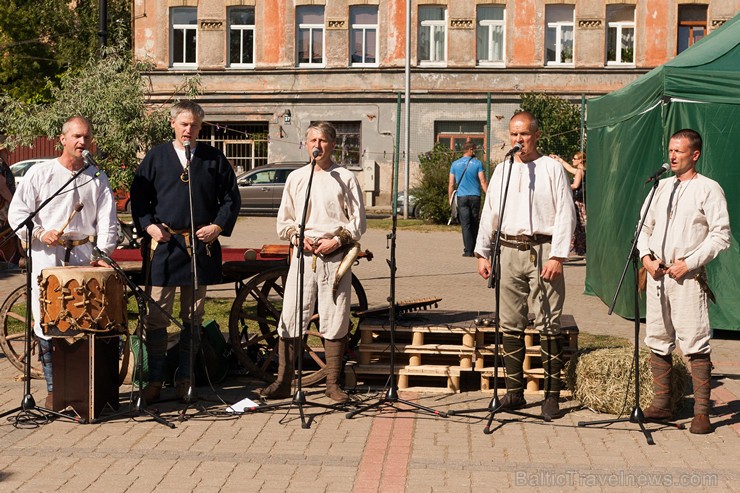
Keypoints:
pixel 551 349
pixel 334 352
pixel 513 344
pixel 156 346
pixel 701 378
pixel 280 388
pixel 661 367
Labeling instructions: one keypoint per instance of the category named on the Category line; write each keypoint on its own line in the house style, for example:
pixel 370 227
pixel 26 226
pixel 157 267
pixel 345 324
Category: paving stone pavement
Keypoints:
pixel 387 450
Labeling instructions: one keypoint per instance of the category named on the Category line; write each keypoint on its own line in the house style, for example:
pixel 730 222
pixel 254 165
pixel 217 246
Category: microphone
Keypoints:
pixel 517 147
pixel 99 254
pixel 665 167
pixel 315 153
pixel 90 161
pixel 186 145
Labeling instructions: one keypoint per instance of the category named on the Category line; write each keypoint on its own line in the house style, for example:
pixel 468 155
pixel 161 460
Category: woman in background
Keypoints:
pixel 578 185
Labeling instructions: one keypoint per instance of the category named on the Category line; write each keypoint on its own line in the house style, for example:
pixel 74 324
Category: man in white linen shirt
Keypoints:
pixel 97 218
pixel 335 220
pixel 686 227
pixel 539 218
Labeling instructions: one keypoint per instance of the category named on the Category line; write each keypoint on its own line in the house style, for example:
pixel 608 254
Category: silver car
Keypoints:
pixel 20 168
pixel 261 189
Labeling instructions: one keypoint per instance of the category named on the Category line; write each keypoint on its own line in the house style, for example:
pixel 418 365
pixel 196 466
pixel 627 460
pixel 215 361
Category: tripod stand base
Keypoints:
pixel 636 416
pixel 29 411
pixel 494 408
pixel 299 401
pixel 140 409
pixel 392 400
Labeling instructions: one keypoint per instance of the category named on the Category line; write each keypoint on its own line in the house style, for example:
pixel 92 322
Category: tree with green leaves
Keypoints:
pixel 560 123
pixel 42 39
pixel 431 193
pixel 111 92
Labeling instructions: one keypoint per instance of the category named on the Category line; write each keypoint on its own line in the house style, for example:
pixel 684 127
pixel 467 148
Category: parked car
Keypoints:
pixel 261 189
pixel 123 200
pixel 20 168
pixel 415 208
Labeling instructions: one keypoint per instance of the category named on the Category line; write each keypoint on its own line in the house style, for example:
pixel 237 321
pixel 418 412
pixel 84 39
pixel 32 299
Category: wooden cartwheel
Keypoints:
pixel 253 325
pixel 13 334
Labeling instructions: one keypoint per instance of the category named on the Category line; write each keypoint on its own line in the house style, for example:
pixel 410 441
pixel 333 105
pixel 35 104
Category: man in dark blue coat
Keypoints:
pixel 160 204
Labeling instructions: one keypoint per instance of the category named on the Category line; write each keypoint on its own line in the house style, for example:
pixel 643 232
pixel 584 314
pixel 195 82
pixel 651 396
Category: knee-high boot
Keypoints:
pixel 513 344
pixel 334 352
pixel 551 349
pixel 661 367
pixel 701 378
pixel 280 388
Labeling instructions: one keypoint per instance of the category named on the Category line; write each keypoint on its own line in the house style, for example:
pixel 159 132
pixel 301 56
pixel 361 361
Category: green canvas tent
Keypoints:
pixel 628 132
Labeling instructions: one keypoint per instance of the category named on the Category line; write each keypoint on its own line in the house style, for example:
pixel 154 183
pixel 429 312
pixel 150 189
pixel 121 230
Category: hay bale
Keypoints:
pixel 599 379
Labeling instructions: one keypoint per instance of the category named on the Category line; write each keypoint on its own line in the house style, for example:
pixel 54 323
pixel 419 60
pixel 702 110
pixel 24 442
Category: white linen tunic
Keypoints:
pixel 690 224
pixel 335 203
pixel 539 202
pixel 97 218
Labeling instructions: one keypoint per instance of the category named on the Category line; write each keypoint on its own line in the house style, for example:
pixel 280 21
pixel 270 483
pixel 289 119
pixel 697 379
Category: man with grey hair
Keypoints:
pixel 335 219
pixel 160 204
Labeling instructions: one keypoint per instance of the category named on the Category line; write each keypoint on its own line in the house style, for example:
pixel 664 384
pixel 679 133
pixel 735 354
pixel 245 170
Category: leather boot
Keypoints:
pixel 513 344
pixel 660 408
pixel 280 388
pixel 551 350
pixel 701 378
pixel 49 401
pixel 151 392
pixel 334 352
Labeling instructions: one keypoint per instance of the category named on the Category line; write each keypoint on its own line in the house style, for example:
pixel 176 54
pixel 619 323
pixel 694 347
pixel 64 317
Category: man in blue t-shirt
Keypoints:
pixel 466 175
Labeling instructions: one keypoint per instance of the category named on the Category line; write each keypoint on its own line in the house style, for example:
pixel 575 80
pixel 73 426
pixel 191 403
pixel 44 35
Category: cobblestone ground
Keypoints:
pixel 391 449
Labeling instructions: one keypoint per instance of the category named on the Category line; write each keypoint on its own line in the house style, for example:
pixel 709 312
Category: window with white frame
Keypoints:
pixel 490 34
pixel 184 36
pixel 241 37
pixel 559 22
pixel 432 35
pixel 310 35
pixel 363 35
pixel 620 34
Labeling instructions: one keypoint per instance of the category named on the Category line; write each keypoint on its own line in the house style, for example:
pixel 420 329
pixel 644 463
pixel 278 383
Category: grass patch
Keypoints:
pixel 410 225
pixel 216 309
pixel 594 341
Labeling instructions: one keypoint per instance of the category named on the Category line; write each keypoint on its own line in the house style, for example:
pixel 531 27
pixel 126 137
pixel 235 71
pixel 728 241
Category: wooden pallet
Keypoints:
pixel 447 352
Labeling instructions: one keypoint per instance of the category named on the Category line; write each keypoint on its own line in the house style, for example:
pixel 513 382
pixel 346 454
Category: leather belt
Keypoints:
pixel 69 245
pixel 524 242
pixel 73 243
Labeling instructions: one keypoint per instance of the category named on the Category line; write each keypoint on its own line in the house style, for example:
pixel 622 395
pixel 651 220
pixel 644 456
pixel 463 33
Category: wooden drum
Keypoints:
pixel 81 300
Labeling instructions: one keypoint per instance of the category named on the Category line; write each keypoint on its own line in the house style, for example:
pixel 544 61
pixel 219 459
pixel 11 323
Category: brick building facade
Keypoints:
pixel 268 68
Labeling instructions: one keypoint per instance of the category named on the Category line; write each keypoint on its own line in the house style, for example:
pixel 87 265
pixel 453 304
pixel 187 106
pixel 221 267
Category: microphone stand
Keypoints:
pixel 142 298
pixel 299 397
pixel 636 416
pixel 391 399
pixel 28 411
pixel 494 280
pixel 194 331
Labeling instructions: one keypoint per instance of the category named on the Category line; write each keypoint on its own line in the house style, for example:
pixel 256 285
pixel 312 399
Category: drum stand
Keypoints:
pixel 636 416
pixel 28 411
pixel 140 407
pixel 299 397
pixel 494 406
